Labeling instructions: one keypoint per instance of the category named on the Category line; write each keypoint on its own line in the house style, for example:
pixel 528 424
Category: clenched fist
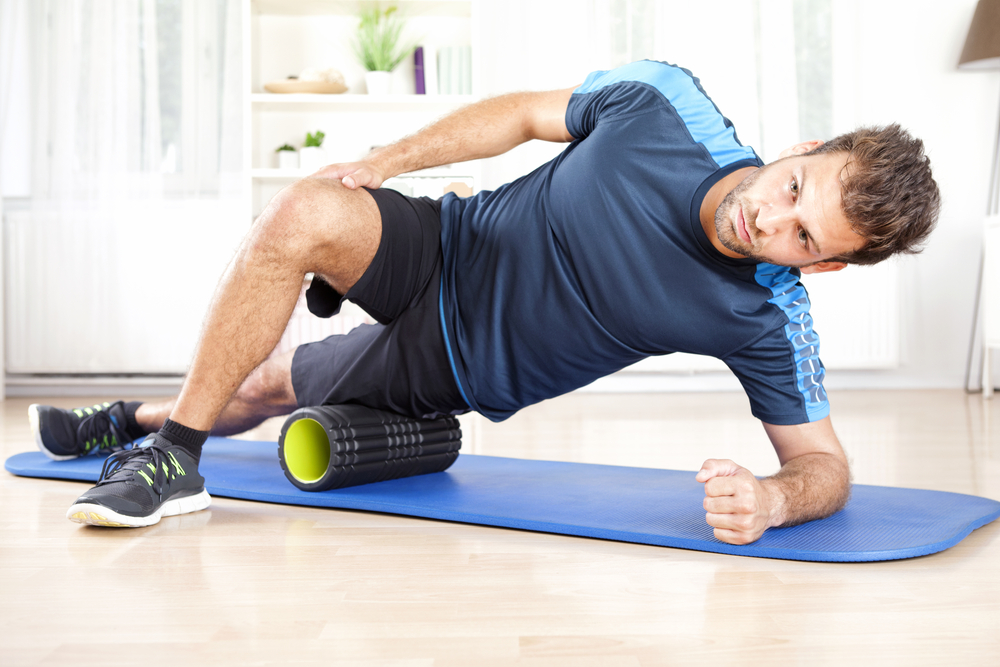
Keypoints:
pixel 737 504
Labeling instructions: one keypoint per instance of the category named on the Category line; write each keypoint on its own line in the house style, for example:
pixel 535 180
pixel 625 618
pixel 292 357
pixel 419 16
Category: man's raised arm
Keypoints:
pixel 813 483
pixel 480 130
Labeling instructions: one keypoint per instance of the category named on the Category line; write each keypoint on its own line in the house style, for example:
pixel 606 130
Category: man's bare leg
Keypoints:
pixel 315 225
pixel 266 393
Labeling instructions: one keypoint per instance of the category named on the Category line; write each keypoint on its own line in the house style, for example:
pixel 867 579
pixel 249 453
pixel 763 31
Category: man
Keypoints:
pixel 655 231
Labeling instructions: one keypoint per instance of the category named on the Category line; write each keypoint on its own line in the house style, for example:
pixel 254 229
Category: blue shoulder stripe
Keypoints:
pixel 791 298
pixel 703 120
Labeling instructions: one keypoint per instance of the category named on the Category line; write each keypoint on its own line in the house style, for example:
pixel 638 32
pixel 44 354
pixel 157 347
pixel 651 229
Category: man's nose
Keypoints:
pixel 771 220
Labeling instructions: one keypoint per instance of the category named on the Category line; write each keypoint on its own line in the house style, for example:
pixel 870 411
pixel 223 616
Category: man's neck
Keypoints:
pixel 713 199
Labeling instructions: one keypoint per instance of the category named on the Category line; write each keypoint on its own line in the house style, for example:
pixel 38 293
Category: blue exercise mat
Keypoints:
pixel 643 505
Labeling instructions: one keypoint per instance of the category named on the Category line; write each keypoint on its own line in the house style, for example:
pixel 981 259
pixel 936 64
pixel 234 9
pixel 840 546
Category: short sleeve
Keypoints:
pixel 648 85
pixel 781 389
pixel 619 99
pixel 781 371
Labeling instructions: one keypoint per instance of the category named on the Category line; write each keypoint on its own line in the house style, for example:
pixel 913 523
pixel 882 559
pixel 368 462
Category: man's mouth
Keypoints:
pixel 741 226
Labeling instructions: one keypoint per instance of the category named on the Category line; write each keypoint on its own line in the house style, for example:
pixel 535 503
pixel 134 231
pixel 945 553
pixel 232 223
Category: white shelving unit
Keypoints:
pixel 284 37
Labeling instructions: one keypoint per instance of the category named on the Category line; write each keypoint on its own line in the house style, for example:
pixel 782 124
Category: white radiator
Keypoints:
pixel 97 292
pixel 112 291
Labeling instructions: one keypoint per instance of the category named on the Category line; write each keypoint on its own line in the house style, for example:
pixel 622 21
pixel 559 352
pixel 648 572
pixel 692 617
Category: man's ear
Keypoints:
pixel 823 267
pixel 799 149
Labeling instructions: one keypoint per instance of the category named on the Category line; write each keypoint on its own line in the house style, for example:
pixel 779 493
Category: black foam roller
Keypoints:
pixel 349 445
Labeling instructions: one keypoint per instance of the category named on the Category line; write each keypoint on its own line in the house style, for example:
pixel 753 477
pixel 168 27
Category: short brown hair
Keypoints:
pixel 889 195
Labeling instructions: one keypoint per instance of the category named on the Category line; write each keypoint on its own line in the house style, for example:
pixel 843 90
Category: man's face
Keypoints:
pixel 789 212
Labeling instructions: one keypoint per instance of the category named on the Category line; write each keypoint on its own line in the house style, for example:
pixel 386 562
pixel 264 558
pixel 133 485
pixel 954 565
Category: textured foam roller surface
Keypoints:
pixel 648 506
pixel 337 446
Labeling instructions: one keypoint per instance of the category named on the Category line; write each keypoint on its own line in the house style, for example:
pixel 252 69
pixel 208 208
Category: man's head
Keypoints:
pixel 858 199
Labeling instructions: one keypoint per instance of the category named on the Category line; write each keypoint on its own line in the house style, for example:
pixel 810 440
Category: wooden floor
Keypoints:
pixel 247 583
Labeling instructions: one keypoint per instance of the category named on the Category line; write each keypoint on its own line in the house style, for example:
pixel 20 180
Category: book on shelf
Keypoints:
pixel 418 70
pixel 454 70
pixel 444 70
pixel 430 70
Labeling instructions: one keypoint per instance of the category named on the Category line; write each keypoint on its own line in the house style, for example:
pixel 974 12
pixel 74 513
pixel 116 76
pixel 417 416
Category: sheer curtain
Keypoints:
pixel 135 202
pixel 768 64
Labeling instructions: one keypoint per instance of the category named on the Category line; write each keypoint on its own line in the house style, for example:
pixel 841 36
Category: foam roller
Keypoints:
pixel 334 446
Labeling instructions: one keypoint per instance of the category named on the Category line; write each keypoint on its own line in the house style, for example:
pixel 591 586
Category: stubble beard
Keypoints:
pixel 725 220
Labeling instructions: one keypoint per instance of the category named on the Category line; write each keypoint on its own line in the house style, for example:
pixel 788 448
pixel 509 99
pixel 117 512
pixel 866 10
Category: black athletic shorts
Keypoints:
pixel 401 363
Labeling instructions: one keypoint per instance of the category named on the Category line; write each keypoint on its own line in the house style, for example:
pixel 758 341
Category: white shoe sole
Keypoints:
pixel 36 428
pixel 98 515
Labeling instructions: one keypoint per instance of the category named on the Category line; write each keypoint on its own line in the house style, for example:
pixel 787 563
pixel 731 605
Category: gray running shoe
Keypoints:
pixel 140 485
pixel 69 434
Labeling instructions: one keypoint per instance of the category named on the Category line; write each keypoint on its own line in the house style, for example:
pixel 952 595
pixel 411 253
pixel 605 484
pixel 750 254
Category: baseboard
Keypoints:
pixel 92 385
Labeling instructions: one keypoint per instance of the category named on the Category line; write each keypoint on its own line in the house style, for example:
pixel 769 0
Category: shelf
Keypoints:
pixel 406 8
pixel 283 36
pixel 349 102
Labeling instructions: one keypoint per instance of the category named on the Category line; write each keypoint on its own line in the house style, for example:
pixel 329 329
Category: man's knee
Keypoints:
pixel 318 210
pixel 330 229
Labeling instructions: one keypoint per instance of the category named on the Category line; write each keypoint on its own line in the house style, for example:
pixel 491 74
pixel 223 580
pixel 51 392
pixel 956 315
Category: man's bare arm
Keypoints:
pixel 484 129
pixel 814 482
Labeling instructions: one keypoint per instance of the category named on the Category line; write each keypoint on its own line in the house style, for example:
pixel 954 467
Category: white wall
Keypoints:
pixel 902 68
pixel 906 70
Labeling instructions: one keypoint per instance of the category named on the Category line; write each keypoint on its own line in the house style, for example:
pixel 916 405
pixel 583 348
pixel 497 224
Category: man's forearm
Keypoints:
pixel 809 487
pixel 484 129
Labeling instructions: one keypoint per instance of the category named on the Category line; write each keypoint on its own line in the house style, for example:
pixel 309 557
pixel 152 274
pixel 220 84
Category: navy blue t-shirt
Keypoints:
pixel 598 259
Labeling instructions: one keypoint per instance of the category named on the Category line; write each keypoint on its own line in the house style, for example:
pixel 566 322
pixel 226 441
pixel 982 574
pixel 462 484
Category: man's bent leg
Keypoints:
pixel 315 225
pixel 266 393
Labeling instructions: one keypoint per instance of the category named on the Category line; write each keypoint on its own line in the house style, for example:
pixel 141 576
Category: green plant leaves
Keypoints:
pixel 376 43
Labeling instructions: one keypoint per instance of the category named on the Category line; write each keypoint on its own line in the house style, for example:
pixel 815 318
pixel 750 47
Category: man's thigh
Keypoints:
pixel 402 363
pixel 408 255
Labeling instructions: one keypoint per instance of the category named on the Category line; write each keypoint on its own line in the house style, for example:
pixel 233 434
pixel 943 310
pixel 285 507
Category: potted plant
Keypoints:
pixel 377 46
pixel 312 156
pixel 287 157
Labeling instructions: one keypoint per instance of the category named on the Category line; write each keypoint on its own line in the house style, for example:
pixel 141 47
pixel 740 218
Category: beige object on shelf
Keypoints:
pixel 459 188
pixel 295 86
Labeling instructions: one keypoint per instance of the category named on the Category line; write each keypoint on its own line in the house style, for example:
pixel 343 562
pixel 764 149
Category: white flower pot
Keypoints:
pixel 378 83
pixel 288 160
pixel 312 158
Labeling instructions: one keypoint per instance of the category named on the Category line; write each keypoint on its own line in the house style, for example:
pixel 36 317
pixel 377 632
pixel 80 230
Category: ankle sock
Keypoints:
pixel 132 427
pixel 183 436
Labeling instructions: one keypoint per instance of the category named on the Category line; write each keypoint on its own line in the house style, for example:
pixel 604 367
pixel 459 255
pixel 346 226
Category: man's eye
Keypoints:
pixel 803 237
pixel 794 187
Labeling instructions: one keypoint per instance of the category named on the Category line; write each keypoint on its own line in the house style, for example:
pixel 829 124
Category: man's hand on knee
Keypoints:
pixel 353 175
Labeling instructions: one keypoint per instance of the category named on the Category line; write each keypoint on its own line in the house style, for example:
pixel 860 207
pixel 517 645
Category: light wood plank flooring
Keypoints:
pixel 248 583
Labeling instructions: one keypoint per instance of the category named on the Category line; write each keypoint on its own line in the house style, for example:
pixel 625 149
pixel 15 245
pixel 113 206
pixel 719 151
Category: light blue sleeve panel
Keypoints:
pixel 683 91
pixel 791 298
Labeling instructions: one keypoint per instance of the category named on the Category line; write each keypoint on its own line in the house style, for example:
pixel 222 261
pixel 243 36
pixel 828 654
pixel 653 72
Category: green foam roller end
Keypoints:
pixel 307 450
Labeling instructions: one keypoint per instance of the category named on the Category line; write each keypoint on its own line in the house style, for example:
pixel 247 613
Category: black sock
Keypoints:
pixel 132 427
pixel 182 436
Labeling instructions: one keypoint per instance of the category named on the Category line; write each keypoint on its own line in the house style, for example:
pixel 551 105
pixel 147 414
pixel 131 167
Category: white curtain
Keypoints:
pixel 768 64
pixel 130 93
pixel 135 193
